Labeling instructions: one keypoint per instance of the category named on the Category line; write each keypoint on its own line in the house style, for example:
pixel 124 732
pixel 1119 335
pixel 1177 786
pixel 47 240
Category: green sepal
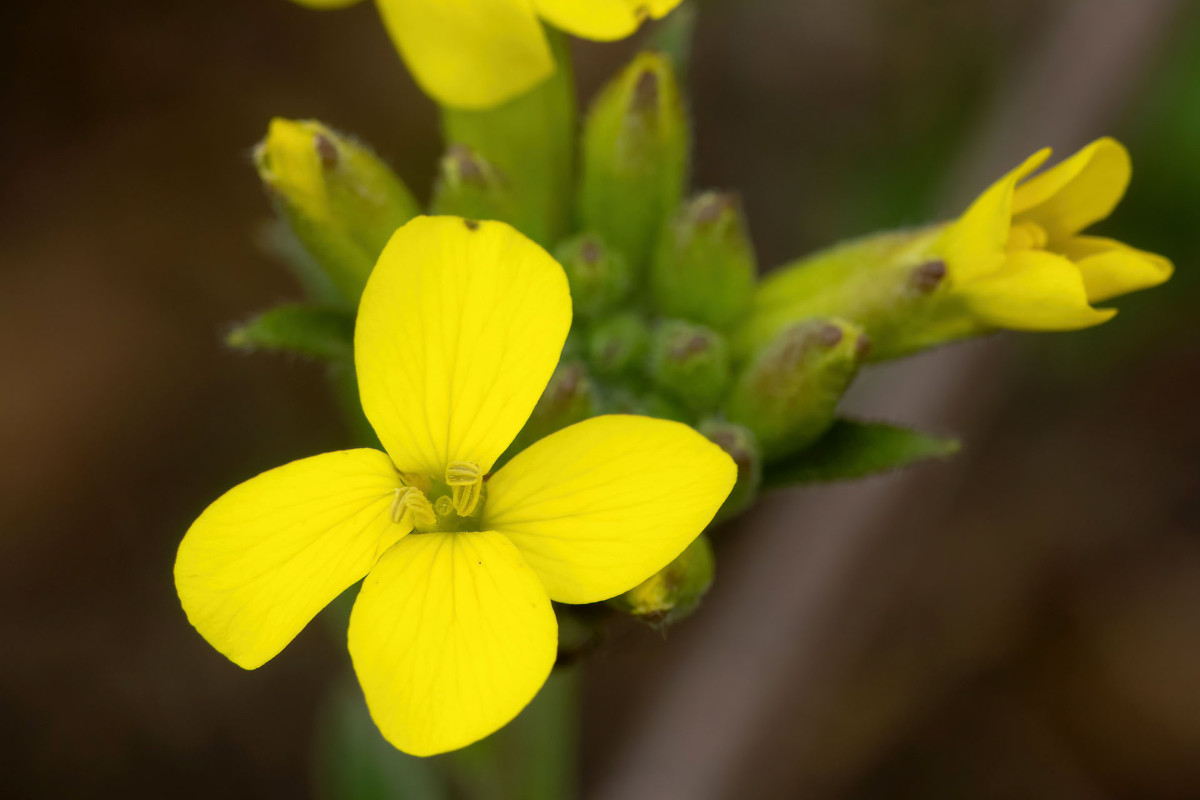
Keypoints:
pixel 704 268
pixel 470 186
pixel 635 158
pixel 326 334
pixel 530 141
pixel 599 277
pixel 674 591
pixel 852 449
pixel 893 284
pixel 690 363
pixel 789 393
pixel 617 345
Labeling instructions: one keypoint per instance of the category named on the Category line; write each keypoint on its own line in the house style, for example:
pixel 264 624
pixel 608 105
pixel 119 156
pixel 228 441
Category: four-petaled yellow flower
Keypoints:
pixel 479 53
pixel 1017 258
pixel 452 633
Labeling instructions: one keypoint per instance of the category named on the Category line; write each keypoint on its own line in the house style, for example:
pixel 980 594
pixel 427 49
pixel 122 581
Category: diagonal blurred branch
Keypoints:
pixel 813 654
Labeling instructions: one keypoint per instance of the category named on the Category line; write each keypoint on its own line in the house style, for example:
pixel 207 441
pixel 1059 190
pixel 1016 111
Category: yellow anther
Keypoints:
pixel 412 506
pixel 1026 235
pixel 443 506
pixel 465 481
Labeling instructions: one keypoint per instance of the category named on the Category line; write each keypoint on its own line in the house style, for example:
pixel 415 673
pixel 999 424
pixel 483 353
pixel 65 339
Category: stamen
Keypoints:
pixel 1026 235
pixel 465 481
pixel 411 505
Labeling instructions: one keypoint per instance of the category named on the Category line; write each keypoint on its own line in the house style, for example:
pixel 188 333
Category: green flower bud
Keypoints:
pixel 704 270
pixel 690 363
pixel 341 200
pixel 788 394
pixel 599 278
pixel 469 186
pixel 635 157
pixel 618 345
pixel 674 592
pixel 569 397
pixel 739 442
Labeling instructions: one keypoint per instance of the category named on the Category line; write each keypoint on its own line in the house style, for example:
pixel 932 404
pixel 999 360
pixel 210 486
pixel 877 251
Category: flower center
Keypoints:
pixel 430 505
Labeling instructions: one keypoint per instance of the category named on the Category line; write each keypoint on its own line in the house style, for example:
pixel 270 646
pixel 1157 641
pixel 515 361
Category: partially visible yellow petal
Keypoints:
pixel 322 5
pixel 1111 268
pixel 602 505
pixel 262 560
pixel 1034 291
pixel 470 53
pixel 458 332
pixel 973 245
pixel 451 636
pixel 1082 190
pixel 603 20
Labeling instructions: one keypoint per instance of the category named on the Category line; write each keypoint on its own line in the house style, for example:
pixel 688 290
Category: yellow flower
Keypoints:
pixel 1017 259
pixel 479 53
pixel 452 633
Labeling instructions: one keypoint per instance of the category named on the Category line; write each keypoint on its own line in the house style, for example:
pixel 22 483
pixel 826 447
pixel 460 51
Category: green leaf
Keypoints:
pixel 855 450
pixel 321 333
pixel 530 141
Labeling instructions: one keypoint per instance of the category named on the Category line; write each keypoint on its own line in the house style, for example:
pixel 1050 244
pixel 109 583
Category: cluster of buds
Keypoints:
pixel 670 319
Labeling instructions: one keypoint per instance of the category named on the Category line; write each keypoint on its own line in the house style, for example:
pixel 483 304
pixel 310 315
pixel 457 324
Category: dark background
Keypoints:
pixel 1022 622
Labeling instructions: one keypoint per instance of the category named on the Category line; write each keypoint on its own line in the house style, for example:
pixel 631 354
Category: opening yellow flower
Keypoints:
pixel 1017 258
pixel 458 332
pixel 479 53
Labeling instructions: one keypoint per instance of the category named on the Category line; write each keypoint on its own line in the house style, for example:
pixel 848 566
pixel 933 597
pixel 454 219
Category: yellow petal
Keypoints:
pixel 451 636
pixel 262 560
pixel 470 53
pixel 603 20
pixel 1072 195
pixel 974 244
pixel 602 505
pixel 458 332
pixel 1034 291
pixel 1111 268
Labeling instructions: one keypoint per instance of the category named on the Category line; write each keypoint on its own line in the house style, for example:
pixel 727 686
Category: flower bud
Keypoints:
pixel 569 397
pixel 617 345
pixel 788 393
pixel 704 269
pixel 469 186
pixel 674 591
pixel 690 363
pixel 635 156
pixel 739 442
pixel 341 200
pixel 599 278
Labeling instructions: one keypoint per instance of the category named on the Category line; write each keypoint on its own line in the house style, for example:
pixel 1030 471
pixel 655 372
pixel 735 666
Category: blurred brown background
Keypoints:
pixel 1023 622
